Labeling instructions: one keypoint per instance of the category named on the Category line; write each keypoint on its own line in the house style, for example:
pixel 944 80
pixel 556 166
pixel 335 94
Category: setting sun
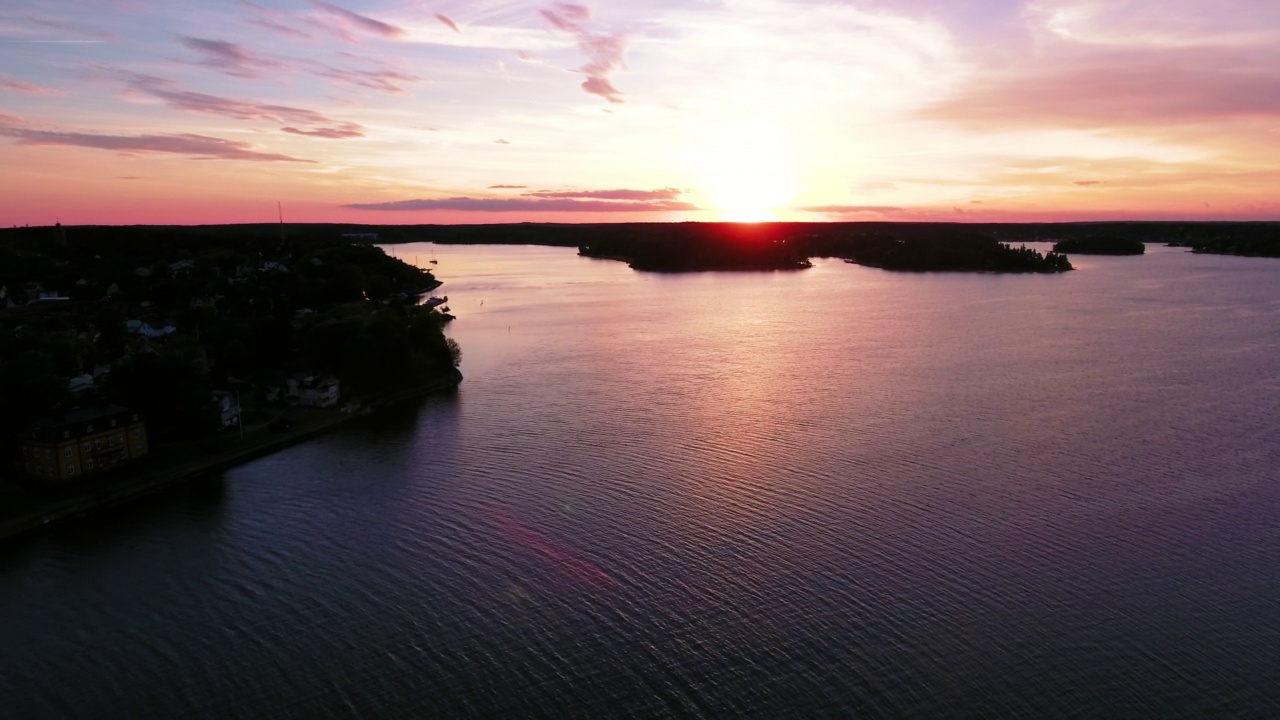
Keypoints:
pixel 746 171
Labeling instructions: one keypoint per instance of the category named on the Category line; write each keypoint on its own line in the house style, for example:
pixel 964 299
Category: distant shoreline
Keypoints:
pixel 150 479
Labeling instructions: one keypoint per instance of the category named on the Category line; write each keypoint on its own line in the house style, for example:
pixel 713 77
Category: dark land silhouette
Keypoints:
pixel 1101 245
pixel 165 320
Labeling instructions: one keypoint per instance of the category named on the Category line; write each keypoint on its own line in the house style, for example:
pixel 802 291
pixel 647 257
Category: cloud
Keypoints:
pixel 1118 89
pixel 6 119
pixel 640 195
pixel 508 187
pixel 273 20
pixel 198 147
pixel 381 79
pixel 448 22
pixel 1159 23
pixel 850 209
pixel 230 58
pixel 1086 183
pixel 8 83
pixel 348 20
pixel 604 52
pixel 175 97
pixel 526 205
pixel 347 130
pixel 502 141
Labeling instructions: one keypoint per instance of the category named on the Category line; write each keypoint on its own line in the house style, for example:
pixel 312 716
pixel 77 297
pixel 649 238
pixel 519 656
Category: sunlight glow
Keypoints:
pixel 746 171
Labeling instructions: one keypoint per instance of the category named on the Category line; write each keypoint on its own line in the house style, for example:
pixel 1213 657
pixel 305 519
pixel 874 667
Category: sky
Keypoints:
pixel 489 111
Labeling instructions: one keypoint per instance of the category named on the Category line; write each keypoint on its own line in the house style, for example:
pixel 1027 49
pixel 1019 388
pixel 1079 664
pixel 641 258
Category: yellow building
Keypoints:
pixel 82 441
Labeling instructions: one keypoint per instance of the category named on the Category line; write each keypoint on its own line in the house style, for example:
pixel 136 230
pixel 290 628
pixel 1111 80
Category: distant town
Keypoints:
pixel 119 343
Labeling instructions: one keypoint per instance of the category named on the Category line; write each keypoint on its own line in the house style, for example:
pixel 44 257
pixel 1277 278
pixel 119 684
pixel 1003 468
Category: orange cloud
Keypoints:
pixel 1117 89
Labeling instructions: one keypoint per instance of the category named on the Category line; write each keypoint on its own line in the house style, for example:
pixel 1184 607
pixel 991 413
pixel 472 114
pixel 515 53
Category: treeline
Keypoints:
pixel 162 316
pixel 948 252
pixel 1101 245
pixel 693 246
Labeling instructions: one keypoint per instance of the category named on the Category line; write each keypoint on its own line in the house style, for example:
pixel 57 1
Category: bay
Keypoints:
pixel 833 492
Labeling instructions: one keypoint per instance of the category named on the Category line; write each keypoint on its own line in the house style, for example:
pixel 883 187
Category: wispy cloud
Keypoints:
pixel 348 21
pixel 197 147
pixel 1117 89
pixel 640 195
pixel 474 204
pixel 318 125
pixel 275 21
pixel 604 52
pixel 448 22
pixel 380 79
pixel 851 209
pixel 230 58
pixel 508 187
pixel 8 83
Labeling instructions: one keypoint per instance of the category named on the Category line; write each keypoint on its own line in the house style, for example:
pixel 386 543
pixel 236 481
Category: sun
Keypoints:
pixel 747 172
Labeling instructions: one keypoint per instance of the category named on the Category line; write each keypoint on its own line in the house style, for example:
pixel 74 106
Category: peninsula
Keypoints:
pixel 215 344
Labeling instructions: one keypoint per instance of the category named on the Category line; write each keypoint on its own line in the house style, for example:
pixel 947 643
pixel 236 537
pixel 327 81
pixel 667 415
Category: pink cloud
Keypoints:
pixel 275 21
pixel 348 19
pixel 346 130
pixel 471 204
pixel 850 209
pixel 198 147
pixel 6 119
pixel 448 22
pixel 508 187
pixel 189 101
pixel 230 58
pixel 381 79
pixel 640 195
pixel 604 52
pixel 1119 88
pixel 7 83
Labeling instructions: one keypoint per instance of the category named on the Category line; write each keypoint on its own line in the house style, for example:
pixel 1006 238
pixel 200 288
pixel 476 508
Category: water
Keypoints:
pixel 840 491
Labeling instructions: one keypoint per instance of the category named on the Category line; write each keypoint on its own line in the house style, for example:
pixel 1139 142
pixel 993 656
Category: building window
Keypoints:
pixel 71 468
pixel 88 464
pixel 67 453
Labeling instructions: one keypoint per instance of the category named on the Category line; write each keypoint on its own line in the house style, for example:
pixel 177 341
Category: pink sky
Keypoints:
pixel 411 111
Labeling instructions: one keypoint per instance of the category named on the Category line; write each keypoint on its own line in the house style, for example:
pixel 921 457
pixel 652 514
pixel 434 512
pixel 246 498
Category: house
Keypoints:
pixel 81 383
pixel 82 441
pixel 312 391
pixel 228 408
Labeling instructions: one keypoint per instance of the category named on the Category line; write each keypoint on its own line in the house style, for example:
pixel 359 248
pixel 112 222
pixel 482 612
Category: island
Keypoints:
pixel 135 356
pixel 1101 245
pixel 951 251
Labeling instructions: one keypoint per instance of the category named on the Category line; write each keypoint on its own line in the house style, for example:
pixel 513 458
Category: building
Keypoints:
pixel 312 391
pixel 82 441
pixel 228 405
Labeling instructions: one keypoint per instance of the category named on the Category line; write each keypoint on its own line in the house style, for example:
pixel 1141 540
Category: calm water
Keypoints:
pixel 838 492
